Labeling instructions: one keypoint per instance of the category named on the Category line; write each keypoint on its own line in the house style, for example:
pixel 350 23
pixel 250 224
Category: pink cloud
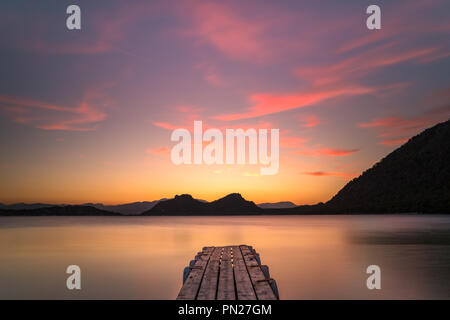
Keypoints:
pixel 166 125
pixel 383 122
pixel 340 78
pixel 240 32
pixel 397 130
pixel 214 79
pixel 264 104
pixel 371 60
pixel 49 116
pixel 210 74
pixel 309 121
pixel 397 25
pixel 395 126
pixel 223 27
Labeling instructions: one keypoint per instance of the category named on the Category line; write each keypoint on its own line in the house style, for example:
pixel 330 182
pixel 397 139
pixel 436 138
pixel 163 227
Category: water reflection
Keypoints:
pixel 311 257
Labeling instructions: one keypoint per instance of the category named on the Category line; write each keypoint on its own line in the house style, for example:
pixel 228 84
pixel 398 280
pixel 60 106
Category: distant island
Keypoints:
pixel 415 178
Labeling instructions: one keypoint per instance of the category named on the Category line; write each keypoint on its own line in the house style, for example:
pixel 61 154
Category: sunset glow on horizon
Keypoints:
pixel 86 115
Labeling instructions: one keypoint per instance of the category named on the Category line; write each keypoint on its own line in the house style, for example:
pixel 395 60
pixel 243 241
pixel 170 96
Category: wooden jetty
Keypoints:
pixel 227 273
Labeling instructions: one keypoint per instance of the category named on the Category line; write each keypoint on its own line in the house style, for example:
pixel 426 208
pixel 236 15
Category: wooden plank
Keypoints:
pixel 208 288
pixel 192 285
pixel 225 289
pixel 244 287
pixel 262 287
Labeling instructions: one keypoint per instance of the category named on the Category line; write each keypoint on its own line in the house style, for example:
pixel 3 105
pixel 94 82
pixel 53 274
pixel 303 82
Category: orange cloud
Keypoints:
pixel 326 173
pixel 394 142
pixel 327 152
pixel 335 152
pixel 161 150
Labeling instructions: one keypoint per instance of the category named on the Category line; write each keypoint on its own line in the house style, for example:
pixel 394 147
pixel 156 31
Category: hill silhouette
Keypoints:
pixel 59 211
pixel 277 205
pixel 413 178
pixel 185 204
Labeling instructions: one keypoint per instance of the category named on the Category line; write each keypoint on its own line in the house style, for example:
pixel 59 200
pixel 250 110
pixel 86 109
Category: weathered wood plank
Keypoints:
pixel 192 285
pixel 208 287
pixel 244 287
pixel 259 281
pixel 226 278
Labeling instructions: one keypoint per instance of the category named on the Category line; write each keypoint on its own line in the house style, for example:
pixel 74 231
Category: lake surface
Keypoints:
pixel 311 257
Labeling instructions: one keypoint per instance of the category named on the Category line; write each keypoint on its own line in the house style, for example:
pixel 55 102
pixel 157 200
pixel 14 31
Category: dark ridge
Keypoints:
pixel 234 204
pixel 25 206
pixel 180 205
pixel 59 211
pixel 133 208
pixel 414 178
pixel 277 205
pixel 186 205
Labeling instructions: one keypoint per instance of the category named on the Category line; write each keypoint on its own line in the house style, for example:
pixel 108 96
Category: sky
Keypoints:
pixel 86 115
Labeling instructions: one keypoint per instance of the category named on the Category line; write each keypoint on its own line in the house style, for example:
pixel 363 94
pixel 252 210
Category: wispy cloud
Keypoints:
pixel 328 173
pixel 265 103
pixel 166 125
pixel 397 130
pixel 353 68
pixel 394 142
pixel 230 32
pixel 332 152
pixel 309 121
pixel 48 116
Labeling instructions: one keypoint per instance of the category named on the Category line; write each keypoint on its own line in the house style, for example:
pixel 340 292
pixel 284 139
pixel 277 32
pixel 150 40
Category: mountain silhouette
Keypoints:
pixel 415 178
pixel 58 211
pixel 132 208
pixel 277 205
pixel 234 203
pixel 25 206
pixel 185 204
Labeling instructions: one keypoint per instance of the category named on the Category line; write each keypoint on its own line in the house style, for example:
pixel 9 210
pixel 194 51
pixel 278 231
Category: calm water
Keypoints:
pixel 311 257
